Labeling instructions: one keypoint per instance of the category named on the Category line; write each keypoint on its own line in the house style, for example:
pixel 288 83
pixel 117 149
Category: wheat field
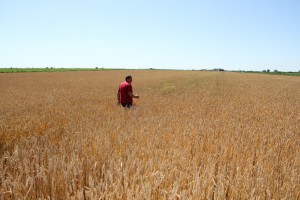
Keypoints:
pixel 191 135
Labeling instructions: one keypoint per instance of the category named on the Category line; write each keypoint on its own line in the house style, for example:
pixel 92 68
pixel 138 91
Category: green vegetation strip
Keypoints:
pixel 19 70
pixel 51 69
pixel 284 73
pixel 277 73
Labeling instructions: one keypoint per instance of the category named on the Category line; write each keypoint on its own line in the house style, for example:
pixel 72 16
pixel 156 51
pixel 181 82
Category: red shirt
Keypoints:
pixel 124 88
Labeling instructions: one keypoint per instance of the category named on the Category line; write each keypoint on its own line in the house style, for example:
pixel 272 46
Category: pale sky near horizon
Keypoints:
pixel 230 34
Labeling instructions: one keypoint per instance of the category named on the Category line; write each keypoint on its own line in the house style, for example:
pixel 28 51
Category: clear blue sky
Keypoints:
pixel 230 34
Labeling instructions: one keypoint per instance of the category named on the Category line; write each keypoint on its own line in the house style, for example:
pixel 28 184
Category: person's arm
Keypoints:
pixel 119 97
pixel 133 95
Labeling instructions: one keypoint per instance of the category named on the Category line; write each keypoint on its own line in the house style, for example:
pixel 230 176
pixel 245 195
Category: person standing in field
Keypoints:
pixel 125 93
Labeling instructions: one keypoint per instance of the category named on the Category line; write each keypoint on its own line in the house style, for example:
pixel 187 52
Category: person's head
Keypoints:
pixel 128 79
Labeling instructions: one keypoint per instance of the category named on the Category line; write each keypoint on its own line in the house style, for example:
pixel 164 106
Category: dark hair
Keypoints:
pixel 128 77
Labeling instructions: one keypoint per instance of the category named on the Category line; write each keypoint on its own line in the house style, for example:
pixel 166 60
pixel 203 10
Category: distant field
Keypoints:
pixel 191 135
pixel 50 69
pixel 280 73
pixel 285 73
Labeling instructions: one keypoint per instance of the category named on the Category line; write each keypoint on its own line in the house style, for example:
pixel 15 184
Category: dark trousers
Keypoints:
pixel 126 105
